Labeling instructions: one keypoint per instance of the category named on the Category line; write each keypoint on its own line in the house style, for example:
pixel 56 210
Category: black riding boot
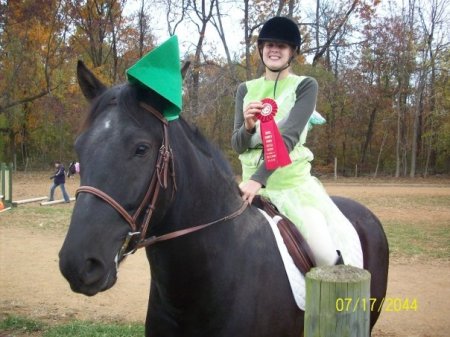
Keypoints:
pixel 339 260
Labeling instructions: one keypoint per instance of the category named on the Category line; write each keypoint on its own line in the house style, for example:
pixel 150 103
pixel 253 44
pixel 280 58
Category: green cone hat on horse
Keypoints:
pixel 159 70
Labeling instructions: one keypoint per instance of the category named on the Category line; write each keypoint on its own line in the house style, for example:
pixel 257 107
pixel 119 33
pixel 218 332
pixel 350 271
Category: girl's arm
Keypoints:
pixel 240 139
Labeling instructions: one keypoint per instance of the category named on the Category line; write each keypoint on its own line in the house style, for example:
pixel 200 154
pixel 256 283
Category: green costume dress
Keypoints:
pixel 296 193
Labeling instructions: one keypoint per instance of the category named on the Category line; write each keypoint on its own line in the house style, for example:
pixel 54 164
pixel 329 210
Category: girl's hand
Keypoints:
pixel 250 112
pixel 249 189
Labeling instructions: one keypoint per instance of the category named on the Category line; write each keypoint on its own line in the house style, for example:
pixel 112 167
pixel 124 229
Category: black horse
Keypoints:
pixel 215 267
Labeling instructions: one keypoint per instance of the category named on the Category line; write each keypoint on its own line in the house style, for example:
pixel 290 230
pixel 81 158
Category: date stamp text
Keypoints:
pixel 387 304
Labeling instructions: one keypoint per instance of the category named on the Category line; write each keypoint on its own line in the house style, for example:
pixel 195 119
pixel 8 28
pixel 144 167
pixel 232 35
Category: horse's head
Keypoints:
pixel 119 149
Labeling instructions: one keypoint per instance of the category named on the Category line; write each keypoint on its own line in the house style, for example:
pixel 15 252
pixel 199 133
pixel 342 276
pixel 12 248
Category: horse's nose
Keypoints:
pixel 85 275
pixel 93 271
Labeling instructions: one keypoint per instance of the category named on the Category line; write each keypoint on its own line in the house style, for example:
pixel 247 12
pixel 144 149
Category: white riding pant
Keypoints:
pixel 318 237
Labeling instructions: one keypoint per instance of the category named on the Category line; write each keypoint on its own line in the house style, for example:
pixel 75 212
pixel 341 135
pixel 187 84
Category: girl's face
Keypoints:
pixel 276 54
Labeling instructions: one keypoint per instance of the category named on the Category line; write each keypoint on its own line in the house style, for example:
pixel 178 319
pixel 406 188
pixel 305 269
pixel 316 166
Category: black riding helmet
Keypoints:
pixel 280 29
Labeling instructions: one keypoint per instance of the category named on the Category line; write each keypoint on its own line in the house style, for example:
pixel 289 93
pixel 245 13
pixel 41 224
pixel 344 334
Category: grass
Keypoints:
pixel 419 236
pixel 89 329
pixel 40 217
pixel 407 201
pixel 409 236
pixel 416 240
pixel 19 326
pixel 417 226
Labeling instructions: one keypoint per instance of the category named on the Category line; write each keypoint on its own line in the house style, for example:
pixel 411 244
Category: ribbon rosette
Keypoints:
pixel 275 152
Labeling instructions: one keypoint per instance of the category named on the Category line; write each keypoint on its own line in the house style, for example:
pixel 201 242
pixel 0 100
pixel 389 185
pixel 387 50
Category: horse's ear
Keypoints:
pixel 185 68
pixel 90 85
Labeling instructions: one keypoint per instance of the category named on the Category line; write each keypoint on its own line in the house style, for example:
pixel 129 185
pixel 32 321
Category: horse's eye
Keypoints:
pixel 141 150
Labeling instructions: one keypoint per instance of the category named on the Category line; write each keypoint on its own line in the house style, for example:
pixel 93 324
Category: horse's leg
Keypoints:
pixel 375 249
pixel 159 321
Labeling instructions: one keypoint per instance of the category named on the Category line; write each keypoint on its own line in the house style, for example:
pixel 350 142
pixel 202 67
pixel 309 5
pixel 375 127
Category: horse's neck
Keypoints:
pixel 204 191
pixel 185 268
pixel 203 264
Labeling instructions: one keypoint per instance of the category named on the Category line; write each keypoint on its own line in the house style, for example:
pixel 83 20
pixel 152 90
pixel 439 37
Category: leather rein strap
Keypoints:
pixel 163 171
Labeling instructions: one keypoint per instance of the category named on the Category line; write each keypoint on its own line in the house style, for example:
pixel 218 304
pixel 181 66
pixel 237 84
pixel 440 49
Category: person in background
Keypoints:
pixel 59 179
pixel 74 168
pixel 290 186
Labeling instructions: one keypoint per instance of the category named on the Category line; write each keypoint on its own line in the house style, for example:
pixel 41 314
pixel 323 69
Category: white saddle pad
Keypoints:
pixel 296 278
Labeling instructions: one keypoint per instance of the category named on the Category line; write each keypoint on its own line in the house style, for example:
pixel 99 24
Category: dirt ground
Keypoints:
pixel 32 286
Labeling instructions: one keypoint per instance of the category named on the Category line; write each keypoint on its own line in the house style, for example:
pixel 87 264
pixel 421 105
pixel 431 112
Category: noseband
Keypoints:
pixel 164 171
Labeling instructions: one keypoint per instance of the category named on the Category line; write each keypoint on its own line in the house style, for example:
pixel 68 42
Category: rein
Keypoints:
pixel 164 171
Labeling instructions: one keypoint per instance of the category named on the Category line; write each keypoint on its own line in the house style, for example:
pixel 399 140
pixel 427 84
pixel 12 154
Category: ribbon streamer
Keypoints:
pixel 275 152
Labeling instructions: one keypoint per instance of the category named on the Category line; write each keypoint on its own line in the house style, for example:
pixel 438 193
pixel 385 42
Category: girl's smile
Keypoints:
pixel 276 55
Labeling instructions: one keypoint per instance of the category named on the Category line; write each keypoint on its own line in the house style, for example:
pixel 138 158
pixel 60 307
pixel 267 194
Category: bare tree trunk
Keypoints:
pixel 247 37
pixel 379 153
pixel 369 134
pixel 142 22
pixel 291 7
pixel 321 50
pixel 418 111
pixel 317 35
pixel 205 15
pixel 219 28
pixel 437 13
pixel 115 56
pixel 397 143
pixel 427 161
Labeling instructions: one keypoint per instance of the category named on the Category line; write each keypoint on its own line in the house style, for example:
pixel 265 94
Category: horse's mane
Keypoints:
pixel 207 147
pixel 128 96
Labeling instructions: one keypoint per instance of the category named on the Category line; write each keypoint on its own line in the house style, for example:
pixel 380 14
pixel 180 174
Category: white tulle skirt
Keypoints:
pixel 322 224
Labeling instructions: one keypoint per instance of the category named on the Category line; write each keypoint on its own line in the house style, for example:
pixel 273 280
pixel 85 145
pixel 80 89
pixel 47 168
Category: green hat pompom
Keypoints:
pixel 160 71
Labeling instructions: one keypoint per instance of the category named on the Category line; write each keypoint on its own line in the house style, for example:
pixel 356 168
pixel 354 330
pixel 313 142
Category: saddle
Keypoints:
pixel 296 245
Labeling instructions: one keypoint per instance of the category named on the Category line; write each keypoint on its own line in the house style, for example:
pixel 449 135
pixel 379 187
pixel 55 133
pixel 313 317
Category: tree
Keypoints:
pixel 332 22
pixel 97 25
pixel 203 11
pixel 33 34
pixel 383 75
pixel 432 44
pixel 34 55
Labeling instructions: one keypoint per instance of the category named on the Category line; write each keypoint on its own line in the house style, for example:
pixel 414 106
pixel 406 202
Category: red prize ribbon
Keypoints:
pixel 275 152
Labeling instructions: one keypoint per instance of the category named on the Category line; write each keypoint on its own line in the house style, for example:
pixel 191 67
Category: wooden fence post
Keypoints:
pixel 337 302
pixel 6 183
pixel 335 168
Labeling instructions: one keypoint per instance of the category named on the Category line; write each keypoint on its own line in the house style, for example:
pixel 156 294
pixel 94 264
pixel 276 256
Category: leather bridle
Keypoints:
pixel 164 171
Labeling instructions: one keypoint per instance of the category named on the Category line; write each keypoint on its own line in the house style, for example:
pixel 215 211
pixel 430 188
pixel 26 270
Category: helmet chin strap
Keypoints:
pixel 277 71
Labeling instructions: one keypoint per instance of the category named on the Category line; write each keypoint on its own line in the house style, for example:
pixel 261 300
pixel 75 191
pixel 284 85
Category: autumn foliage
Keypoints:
pixel 383 74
